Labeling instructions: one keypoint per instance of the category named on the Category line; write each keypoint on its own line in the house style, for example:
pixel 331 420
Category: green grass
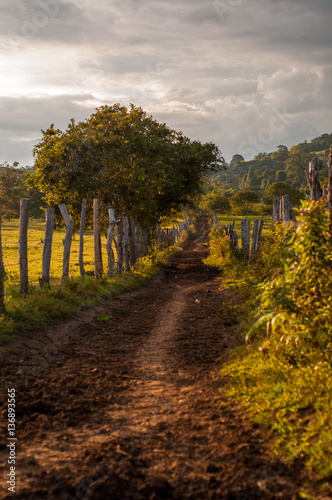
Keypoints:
pixel 61 300
pixel 36 232
pixel 226 219
pixel 294 402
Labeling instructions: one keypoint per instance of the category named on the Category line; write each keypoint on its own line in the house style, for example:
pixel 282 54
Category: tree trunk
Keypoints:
pixel 47 250
pixel 23 246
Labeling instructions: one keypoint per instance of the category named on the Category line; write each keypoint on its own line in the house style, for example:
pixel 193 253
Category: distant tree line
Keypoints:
pixel 249 186
pixel 13 187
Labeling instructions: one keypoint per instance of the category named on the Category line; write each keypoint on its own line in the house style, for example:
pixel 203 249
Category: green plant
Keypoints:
pixel 297 303
pixel 105 318
pixel 230 314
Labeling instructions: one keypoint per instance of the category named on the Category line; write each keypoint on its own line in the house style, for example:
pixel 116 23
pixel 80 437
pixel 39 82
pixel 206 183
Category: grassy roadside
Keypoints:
pixel 44 306
pixel 283 374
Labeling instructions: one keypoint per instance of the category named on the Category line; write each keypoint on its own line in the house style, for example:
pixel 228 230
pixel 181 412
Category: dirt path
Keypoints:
pixel 131 409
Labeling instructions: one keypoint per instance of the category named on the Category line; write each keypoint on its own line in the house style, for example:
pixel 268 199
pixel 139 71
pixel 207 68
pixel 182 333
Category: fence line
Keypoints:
pixel 131 244
pixel 245 234
pixel 2 287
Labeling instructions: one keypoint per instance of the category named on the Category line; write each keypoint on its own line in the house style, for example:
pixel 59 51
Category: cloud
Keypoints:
pixel 218 77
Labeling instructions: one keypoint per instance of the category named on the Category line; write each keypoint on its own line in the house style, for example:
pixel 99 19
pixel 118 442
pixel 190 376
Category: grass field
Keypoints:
pixel 36 230
pixel 226 219
pixel 44 305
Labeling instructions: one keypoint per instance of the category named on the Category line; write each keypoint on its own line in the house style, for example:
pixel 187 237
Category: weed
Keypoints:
pixel 105 318
pixel 229 314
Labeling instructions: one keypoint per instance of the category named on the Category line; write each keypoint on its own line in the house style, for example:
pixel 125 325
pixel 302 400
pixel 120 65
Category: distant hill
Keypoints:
pixel 283 165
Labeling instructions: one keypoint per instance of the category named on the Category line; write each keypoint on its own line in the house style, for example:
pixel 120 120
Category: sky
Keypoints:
pixel 248 75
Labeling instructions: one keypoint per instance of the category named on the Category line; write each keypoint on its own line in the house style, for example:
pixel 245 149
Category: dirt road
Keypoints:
pixel 131 409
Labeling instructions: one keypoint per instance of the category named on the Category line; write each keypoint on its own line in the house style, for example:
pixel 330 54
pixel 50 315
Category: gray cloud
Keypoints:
pixel 215 75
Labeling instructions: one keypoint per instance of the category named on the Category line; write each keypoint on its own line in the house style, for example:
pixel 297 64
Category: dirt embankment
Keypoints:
pixel 131 409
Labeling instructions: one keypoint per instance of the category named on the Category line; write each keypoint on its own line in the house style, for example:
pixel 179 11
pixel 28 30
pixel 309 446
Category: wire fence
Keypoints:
pixel 36 229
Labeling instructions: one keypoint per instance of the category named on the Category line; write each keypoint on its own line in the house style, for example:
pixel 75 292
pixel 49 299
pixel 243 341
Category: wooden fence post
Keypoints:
pixel 80 255
pixel 259 235
pixel 138 242
pixel 281 209
pixel 245 235
pixel 144 240
pixel 119 247
pixel 329 195
pixel 2 274
pixel 110 237
pixel 314 185
pixel 67 240
pixel 292 213
pixel 125 243
pixel 47 250
pixel 96 239
pixel 276 209
pixel 286 208
pixel 23 246
pixel 215 219
pixel 254 236
pixel 132 245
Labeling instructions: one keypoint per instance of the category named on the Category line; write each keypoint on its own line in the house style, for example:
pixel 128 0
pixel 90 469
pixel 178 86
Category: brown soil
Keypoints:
pixel 132 409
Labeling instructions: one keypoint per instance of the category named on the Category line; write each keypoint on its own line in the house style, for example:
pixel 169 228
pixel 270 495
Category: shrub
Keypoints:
pixel 297 303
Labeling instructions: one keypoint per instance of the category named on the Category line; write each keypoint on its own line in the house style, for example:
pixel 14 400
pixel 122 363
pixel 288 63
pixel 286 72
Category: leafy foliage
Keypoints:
pixel 126 159
pixel 242 201
pixel 278 189
pixel 298 301
pixel 283 376
pixel 282 165
pixel 13 187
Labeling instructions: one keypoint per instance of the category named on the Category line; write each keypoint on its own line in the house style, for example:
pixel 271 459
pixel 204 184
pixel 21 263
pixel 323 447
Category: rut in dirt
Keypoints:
pixel 132 409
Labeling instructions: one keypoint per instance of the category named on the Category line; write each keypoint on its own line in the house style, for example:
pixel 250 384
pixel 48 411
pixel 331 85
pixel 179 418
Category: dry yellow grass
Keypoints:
pixel 36 231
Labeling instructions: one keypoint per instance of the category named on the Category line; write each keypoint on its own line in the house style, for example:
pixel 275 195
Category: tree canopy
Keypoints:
pixel 13 187
pixel 278 189
pixel 126 159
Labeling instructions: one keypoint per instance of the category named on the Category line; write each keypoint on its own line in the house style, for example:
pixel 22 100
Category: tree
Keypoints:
pixel 242 201
pixel 126 159
pixel 281 176
pixel 236 159
pixel 297 165
pixel 250 180
pixel 281 154
pixel 278 189
pixel 13 187
pixel 266 179
pixel 215 200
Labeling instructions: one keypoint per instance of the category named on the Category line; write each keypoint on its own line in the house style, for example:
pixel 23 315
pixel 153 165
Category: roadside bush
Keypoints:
pixel 296 304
